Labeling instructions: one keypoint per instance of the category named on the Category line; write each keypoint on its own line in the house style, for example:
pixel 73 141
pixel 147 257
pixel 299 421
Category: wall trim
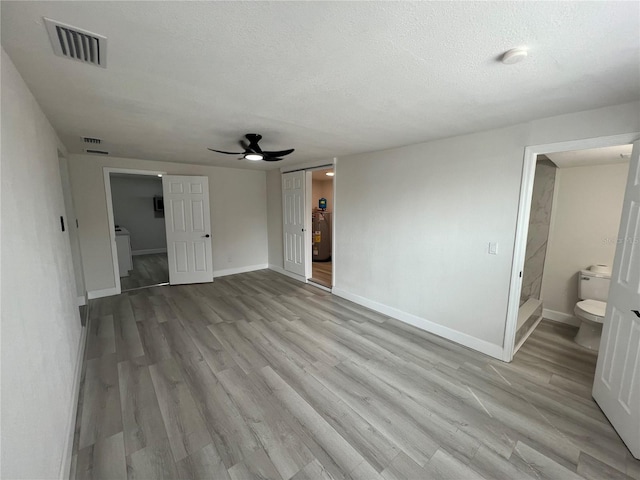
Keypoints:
pixel 282 271
pixel 65 467
pixel 560 317
pixel 148 251
pixel 81 300
pixel 474 343
pixel 233 271
pixel 105 292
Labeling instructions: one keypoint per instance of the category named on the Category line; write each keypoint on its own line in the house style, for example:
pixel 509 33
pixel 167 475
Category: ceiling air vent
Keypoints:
pixel 91 140
pixel 77 44
pixel 95 152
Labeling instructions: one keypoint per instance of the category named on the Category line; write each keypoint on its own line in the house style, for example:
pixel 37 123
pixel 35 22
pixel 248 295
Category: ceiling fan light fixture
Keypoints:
pixel 254 156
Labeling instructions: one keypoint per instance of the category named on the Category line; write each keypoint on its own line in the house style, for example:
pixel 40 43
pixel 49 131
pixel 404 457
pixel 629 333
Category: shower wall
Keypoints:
pixel 539 223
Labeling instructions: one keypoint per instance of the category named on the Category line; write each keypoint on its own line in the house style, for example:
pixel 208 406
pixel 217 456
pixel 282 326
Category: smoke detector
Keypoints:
pixel 514 55
pixel 77 44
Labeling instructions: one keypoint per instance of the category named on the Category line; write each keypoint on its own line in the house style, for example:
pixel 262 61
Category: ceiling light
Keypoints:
pixel 160 175
pixel 253 156
pixel 329 174
pixel 514 55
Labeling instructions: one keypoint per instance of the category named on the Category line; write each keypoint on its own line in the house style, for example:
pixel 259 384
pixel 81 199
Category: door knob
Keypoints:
pixel 206 236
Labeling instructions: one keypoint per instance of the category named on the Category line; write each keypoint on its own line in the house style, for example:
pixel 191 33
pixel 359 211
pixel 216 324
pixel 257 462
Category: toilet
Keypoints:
pixel 593 291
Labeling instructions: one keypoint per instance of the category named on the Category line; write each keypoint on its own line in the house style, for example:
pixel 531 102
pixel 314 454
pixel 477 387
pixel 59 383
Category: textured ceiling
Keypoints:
pixel 328 78
pixel 593 156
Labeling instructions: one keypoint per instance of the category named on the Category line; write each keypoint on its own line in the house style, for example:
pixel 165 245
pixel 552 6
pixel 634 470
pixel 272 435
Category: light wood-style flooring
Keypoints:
pixel 321 273
pixel 259 376
pixel 147 270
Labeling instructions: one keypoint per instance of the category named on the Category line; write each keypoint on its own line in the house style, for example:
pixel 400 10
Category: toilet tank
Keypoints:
pixel 593 286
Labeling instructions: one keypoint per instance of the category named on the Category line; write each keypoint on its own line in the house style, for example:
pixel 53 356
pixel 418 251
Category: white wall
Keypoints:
pixel 133 209
pixel 238 214
pixel 274 211
pixel 588 205
pixel 413 224
pixel 41 331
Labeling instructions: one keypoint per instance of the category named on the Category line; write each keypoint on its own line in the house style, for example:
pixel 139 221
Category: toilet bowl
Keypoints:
pixel 593 291
pixel 591 315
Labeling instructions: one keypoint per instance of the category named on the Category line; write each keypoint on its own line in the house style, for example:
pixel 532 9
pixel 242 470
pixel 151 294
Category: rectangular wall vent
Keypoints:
pixel 77 44
pixel 91 140
pixel 95 152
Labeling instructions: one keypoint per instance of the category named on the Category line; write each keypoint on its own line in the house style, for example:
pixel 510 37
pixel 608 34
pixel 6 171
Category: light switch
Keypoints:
pixel 493 248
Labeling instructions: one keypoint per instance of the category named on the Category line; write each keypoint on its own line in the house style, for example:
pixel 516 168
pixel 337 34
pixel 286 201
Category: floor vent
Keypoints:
pixel 91 140
pixel 95 152
pixel 77 44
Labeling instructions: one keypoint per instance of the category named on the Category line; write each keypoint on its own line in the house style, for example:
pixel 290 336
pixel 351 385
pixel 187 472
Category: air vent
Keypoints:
pixel 77 44
pixel 91 140
pixel 95 152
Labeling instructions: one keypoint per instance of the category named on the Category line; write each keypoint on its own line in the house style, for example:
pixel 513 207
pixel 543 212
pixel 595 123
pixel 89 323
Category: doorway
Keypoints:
pixel 141 242
pixel 576 204
pixel 308 214
pixel 322 226
pixel 135 212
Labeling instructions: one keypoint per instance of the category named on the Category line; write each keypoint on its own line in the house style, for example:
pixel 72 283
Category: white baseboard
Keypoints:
pixel 105 292
pixel 481 346
pixel 560 317
pixel 233 271
pixel 148 251
pixel 65 467
pixel 81 300
pixel 282 271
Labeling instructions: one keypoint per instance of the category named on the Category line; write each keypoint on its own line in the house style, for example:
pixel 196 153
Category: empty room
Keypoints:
pixel 320 240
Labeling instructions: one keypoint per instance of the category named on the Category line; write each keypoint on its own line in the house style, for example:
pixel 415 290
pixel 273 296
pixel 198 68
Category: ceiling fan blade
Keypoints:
pixel 281 153
pixel 271 159
pixel 227 153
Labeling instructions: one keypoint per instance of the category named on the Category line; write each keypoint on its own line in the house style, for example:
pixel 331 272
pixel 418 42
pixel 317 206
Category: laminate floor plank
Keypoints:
pixel 259 376
pixel 105 459
pixel 152 462
pixel 101 337
pixel 183 423
pixel 141 416
pixel 101 415
pixel 232 437
pixel 205 464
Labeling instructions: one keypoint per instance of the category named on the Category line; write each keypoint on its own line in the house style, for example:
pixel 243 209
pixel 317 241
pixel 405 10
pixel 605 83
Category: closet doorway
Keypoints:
pixel 322 226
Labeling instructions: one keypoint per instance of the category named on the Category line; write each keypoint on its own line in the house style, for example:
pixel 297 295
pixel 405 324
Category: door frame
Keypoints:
pixel 531 153
pixel 308 168
pixel 107 171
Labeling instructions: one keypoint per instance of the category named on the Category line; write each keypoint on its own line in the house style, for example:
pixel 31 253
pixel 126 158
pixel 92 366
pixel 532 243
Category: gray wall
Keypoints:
pixel 133 209
pixel 538 235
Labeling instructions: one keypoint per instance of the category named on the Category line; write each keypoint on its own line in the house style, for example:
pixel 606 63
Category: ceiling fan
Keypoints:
pixel 252 150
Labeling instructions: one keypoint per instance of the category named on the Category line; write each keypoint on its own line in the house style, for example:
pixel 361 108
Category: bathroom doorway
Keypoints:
pixel 322 226
pixel 574 218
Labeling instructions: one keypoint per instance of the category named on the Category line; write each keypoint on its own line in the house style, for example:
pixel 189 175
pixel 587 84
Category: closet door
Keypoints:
pixel 293 204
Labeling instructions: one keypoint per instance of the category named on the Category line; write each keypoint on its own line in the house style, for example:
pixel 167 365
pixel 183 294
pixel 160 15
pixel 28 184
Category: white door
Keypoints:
pixel 188 224
pixel 293 203
pixel 616 386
